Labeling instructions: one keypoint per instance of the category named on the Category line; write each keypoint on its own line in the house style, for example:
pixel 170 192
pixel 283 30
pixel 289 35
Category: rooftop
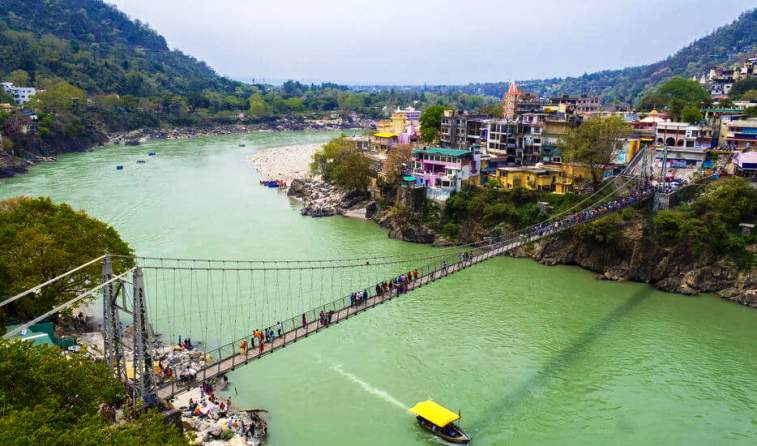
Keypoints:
pixel 444 152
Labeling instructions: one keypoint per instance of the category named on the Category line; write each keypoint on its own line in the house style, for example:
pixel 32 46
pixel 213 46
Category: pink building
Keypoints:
pixel 444 170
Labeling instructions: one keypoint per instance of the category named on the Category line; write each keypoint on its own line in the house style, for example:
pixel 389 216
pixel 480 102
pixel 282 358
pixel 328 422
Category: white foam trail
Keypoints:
pixel 369 388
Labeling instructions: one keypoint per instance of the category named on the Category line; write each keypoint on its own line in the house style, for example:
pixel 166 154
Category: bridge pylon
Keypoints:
pixel 141 383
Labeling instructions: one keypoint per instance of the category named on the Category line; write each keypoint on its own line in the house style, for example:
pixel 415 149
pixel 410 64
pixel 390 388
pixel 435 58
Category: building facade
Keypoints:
pixel 443 171
pixel 682 134
pixel 21 95
pixel 461 130
pixel 739 134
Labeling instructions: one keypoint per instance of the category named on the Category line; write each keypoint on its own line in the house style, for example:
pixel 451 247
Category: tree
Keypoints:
pixel 49 398
pixel 691 114
pixel 493 109
pixel 743 86
pixel 340 161
pixel 594 143
pixel 399 158
pixel 750 95
pixel 51 239
pixel 258 106
pixel 19 78
pixel 675 95
pixel 431 122
pixel 59 98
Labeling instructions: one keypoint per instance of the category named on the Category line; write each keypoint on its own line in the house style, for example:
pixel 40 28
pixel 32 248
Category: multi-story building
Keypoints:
pixel 443 171
pixel 580 104
pixel 746 164
pixel 461 130
pixel 21 95
pixel 530 178
pixel 682 134
pixel 519 141
pixel 739 134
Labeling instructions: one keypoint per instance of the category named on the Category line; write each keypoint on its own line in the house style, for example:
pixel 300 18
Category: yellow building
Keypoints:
pixel 530 178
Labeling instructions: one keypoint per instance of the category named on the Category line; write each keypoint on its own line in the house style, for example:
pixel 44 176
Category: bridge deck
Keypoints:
pixel 227 364
pixel 236 358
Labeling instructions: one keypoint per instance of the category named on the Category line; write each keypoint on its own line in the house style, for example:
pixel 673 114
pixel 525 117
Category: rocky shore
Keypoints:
pixel 322 199
pixel 634 257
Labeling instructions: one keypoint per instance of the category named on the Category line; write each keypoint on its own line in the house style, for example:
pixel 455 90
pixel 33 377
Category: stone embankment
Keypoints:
pixel 323 199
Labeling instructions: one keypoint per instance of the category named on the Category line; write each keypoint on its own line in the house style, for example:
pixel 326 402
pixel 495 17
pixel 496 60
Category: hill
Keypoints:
pixel 727 44
pixel 97 48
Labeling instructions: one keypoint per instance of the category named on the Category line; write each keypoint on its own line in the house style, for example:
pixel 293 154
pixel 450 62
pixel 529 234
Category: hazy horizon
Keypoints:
pixel 428 42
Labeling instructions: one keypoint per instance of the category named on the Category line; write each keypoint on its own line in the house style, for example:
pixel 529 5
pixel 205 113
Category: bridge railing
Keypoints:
pixel 293 329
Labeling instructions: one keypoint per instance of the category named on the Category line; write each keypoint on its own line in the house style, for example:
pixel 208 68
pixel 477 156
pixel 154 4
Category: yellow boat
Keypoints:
pixel 440 421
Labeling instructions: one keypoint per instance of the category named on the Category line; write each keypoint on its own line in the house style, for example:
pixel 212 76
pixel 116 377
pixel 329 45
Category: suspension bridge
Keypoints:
pixel 148 302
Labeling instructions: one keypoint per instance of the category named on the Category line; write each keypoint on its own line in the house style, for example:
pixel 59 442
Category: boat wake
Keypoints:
pixel 369 388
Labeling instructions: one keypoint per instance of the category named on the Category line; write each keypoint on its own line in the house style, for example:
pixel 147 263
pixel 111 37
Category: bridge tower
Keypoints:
pixel 142 385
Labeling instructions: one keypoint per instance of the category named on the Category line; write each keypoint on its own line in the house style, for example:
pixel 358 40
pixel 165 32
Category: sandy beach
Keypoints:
pixel 284 163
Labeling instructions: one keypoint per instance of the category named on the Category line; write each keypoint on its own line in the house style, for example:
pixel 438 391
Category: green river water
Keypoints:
pixel 530 354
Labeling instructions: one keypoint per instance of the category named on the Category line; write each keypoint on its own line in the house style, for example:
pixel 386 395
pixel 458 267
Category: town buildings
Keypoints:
pixel 443 171
pixel 746 164
pixel 739 134
pixel 21 95
pixel 460 130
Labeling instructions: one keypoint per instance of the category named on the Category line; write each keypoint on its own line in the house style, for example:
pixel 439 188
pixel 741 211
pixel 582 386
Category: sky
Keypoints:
pixel 361 42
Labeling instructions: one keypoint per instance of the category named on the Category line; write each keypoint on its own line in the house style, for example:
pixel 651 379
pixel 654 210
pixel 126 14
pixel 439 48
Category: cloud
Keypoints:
pixel 428 41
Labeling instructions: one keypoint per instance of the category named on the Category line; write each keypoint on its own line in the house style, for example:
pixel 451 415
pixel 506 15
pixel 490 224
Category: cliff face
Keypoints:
pixel 632 256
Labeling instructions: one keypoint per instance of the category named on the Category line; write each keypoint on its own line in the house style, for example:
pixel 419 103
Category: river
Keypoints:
pixel 530 354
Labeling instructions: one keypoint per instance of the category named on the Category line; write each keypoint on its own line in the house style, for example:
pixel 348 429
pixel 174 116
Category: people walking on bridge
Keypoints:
pixel 415 274
pixel 279 327
pixel 243 347
pixel 444 266
pixel 304 321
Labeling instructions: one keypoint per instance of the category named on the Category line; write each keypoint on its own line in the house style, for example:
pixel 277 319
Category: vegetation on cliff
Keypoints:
pixel 340 162
pixel 41 240
pixel 709 224
pixel 51 399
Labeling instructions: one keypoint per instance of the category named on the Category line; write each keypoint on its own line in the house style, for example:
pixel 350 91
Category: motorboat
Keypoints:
pixel 440 421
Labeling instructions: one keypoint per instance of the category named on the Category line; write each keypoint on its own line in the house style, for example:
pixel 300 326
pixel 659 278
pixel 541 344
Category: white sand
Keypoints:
pixel 284 163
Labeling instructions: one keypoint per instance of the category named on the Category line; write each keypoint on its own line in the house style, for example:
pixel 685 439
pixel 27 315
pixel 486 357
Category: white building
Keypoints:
pixel 20 94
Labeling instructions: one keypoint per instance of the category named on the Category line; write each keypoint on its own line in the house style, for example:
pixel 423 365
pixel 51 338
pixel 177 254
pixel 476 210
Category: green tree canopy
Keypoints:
pixel 675 95
pixel 431 122
pixel 741 87
pixel 19 78
pixel 595 142
pixel 48 398
pixel 41 240
pixel 691 114
pixel 59 98
pixel 341 162
pixel 750 95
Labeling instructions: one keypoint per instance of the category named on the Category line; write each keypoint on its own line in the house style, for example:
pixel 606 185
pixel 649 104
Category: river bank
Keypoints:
pixel 630 257
pixel 16 165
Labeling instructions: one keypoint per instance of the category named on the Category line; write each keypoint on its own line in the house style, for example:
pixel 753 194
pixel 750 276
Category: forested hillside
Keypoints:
pixel 727 44
pixel 95 47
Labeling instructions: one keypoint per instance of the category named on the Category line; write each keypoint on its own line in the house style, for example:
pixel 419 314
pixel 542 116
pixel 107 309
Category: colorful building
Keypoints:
pixel 530 178
pixel 443 171
pixel 739 134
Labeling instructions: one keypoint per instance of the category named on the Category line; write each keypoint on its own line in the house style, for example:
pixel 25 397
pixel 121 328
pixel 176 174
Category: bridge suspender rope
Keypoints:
pixel 223 332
